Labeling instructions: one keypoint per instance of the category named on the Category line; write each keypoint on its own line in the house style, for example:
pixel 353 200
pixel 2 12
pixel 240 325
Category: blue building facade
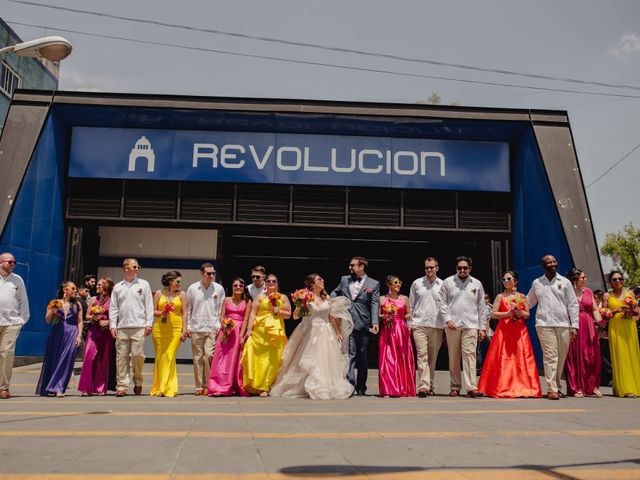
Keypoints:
pixel 298 186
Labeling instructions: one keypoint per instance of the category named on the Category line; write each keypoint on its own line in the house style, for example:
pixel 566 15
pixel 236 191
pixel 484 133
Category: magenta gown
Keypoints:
pixel 94 377
pixel 583 367
pixel 225 377
pixel 396 376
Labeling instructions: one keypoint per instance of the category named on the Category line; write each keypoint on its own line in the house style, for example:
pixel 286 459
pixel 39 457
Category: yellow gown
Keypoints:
pixel 625 353
pixel 166 341
pixel 262 353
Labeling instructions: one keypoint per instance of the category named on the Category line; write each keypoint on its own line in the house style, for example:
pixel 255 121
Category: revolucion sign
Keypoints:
pixel 251 157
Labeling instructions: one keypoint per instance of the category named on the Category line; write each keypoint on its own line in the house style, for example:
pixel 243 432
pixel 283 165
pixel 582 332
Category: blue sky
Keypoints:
pixel 587 40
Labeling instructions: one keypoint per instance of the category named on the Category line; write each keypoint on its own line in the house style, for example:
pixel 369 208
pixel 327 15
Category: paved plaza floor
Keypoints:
pixel 189 437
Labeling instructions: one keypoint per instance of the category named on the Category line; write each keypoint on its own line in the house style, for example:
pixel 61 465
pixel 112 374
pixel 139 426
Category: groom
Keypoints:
pixel 364 293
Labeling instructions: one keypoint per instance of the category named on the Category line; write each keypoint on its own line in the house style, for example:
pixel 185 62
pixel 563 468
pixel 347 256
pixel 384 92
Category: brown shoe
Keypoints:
pixel 4 394
pixel 454 393
pixel 199 392
pixel 475 393
pixel 121 393
pixel 553 396
pixel 137 389
pixel 431 393
pixel 422 393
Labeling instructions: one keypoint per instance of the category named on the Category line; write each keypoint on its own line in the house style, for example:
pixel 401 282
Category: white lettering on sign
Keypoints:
pixel 288 158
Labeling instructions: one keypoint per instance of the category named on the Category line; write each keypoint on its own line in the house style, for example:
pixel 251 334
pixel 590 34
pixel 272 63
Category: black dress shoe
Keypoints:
pixel 422 393
pixel 360 393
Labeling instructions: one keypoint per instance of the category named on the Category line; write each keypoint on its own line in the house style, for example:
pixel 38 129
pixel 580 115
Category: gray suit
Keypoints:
pixel 364 311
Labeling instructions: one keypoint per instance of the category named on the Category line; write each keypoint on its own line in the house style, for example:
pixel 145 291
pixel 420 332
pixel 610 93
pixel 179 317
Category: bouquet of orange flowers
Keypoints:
pixel 628 305
pixel 168 308
pixel 97 310
pixel 227 325
pixel 301 299
pixel 273 298
pixel 389 310
pixel 517 306
pixel 56 306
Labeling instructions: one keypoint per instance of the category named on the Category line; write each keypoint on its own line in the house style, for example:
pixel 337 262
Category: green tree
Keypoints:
pixel 624 249
pixel 434 99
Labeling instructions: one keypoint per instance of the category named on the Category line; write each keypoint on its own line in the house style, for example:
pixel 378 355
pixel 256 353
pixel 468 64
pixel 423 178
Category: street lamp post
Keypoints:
pixel 52 48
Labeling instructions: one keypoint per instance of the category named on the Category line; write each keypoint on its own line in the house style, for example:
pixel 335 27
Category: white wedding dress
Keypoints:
pixel 315 363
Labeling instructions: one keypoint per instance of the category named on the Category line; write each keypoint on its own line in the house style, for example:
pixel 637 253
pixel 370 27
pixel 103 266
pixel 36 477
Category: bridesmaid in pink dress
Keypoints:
pixel 396 367
pixel 225 377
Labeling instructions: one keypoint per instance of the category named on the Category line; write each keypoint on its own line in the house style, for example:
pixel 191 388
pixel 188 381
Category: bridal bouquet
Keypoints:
pixel 97 310
pixel 389 311
pixel 56 306
pixel 168 308
pixel 274 298
pixel 517 306
pixel 227 325
pixel 301 299
pixel 605 314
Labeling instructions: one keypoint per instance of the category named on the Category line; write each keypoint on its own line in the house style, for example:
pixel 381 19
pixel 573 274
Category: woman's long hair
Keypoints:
pixel 310 280
pixel 61 287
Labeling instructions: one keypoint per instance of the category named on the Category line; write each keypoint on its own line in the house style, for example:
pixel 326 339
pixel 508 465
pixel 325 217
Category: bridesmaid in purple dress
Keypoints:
pixel 395 357
pixel 94 377
pixel 583 367
pixel 225 377
pixel 63 342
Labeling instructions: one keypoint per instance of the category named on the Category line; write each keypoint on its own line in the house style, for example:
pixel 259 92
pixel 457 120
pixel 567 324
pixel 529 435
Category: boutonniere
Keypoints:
pixel 16 288
pixel 559 287
pixel 369 290
pixel 140 291
pixel 474 290
pixel 215 296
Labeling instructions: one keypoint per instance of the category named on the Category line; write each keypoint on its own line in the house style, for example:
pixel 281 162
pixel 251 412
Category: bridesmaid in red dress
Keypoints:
pixel 396 368
pixel 510 368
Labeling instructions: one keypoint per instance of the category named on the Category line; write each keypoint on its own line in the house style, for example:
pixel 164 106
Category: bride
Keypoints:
pixel 315 360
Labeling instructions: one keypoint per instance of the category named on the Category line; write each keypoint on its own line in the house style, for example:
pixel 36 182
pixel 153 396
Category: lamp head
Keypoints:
pixel 52 48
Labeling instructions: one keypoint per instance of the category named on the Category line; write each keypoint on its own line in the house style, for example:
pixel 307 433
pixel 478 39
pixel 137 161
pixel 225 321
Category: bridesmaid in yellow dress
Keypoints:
pixel 265 339
pixel 623 338
pixel 170 305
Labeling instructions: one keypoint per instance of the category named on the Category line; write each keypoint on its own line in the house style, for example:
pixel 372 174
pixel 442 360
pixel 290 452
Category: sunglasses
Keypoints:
pixel 271 281
pixel 256 276
pixel 354 265
pixel 179 282
pixel 133 267
pixel 10 262
pixel 508 279
pixel 617 279
pixel 210 274
pixel 429 268
pixel 395 282
pixel 462 268
pixel 238 285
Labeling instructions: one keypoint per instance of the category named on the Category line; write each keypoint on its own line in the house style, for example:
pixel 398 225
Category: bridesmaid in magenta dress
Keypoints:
pixel 94 377
pixel 583 365
pixel 396 367
pixel 225 377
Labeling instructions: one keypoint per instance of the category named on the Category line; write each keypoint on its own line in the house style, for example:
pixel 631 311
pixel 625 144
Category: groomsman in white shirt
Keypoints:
pixel 130 321
pixel 426 324
pixel 461 304
pixel 203 323
pixel 257 287
pixel 14 313
pixel 556 321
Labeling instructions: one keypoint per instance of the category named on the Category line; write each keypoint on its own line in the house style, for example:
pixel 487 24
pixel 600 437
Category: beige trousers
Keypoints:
pixel 555 346
pixel 8 336
pixel 428 341
pixel 202 347
pixel 462 343
pixel 129 351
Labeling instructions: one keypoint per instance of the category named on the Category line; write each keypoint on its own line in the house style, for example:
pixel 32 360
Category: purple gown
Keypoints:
pixel 94 377
pixel 60 355
pixel 582 368
pixel 395 357
pixel 225 377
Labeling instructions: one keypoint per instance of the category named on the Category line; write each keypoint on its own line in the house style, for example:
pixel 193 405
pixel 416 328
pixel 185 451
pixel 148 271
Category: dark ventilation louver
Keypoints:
pixel 429 209
pixel 94 198
pixel 483 210
pixel 207 201
pixel 151 199
pixel 319 205
pixel 263 203
pixel 370 206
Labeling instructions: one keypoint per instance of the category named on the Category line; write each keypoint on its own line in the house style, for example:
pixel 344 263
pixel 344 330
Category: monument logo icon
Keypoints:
pixel 142 149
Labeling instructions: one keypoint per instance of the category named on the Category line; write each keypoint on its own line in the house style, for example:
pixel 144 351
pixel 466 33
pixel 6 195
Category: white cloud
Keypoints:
pixel 629 44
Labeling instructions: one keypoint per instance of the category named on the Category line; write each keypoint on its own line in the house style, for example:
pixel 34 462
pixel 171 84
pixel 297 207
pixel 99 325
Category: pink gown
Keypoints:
pixel 395 359
pixel 94 377
pixel 225 377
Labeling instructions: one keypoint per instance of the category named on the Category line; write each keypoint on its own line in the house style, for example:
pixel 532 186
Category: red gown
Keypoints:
pixel 510 368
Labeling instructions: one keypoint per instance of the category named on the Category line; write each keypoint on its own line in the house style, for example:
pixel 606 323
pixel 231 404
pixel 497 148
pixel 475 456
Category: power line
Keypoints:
pixel 328 47
pixel 614 165
pixel 330 65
